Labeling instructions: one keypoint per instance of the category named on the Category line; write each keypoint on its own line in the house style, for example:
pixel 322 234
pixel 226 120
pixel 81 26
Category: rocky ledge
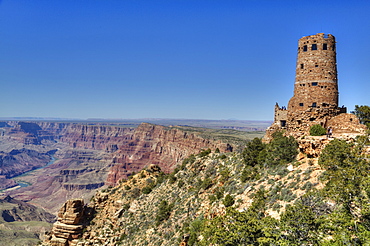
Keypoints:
pixel 71 221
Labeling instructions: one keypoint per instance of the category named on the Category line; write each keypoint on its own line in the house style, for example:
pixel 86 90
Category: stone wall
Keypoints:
pixel 281 115
pixel 316 74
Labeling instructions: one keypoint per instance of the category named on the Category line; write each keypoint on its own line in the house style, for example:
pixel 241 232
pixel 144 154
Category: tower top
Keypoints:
pixel 316 74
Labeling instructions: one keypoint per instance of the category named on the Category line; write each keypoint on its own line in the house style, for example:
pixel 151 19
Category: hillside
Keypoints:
pixel 261 196
pixel 22 223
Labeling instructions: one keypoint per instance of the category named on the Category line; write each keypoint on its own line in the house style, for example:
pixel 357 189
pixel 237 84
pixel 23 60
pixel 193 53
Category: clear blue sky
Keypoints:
pixel 170 59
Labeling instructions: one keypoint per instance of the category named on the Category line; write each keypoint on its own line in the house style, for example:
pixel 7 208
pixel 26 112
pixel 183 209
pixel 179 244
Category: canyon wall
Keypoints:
pixel 91 156
pixel 132 148
pixel 163 146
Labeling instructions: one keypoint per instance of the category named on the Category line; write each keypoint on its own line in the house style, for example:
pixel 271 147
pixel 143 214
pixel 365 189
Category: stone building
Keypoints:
pixel 315 99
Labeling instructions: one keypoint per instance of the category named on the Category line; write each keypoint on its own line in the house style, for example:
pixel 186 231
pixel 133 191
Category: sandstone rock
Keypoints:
pixel 70 224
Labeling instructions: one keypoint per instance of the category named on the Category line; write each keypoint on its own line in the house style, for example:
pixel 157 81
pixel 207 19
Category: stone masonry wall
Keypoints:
pixel 316 74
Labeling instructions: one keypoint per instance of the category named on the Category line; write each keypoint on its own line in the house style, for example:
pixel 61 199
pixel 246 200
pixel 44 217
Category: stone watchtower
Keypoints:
pixel 315 99
pixel 316 82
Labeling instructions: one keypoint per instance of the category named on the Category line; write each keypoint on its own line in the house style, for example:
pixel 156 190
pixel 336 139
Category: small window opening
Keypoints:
pixel 283 123
pixel 314 83
pixel 316 65
pixel 301 104
pixel 302 66
pixel 299 122
pixel 314 105
pixel 305 48
pixel 312 119
pixel 325 46
pixel 314 47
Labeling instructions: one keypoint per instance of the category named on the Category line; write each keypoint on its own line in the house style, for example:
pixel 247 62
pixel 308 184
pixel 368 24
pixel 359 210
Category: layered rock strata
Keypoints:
pixel 91 156
pixel 163 146
pixel 70 223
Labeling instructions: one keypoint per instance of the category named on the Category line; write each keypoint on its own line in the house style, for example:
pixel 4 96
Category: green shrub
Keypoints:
pixel 280 150
pixel 135 193
pixel 180 184
pixel 146 190
pixel 228 201
pixel 204 153
pixel 207 183
pixel 164 212
pixel 252 151
pixel 189 160
pixel 219 192
pixel 225 175
pixel 317 130
pixel 249 173
pixel 172 178
pixel 212 198
pixel 161 177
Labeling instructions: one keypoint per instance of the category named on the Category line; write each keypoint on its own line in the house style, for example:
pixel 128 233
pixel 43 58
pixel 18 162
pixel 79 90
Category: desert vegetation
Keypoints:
pixel 259 196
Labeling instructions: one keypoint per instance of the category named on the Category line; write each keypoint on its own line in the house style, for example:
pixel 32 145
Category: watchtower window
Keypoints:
pixel 305 48
pixel 314 105
pixel 283 123
pixel 312 119
pixel 302 66
pixel 301 104
pixel 325 46
pixel 314 83
pixel 314 47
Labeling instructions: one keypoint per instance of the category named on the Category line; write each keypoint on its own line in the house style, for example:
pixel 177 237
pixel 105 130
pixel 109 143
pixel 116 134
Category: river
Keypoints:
pixel 25 184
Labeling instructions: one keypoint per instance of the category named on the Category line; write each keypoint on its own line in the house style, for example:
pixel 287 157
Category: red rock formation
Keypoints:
pixel 98 154
pixel 154 144
pixel 132 148
pixel 96 137
pixel 69 226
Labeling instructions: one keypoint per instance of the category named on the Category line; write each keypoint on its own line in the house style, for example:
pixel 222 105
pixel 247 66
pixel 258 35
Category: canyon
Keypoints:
pixel 43 163
pixel 88 156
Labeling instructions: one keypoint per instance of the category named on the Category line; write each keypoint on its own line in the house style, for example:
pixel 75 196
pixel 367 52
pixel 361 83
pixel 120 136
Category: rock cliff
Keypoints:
pixel 163 146
pixel 68 228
